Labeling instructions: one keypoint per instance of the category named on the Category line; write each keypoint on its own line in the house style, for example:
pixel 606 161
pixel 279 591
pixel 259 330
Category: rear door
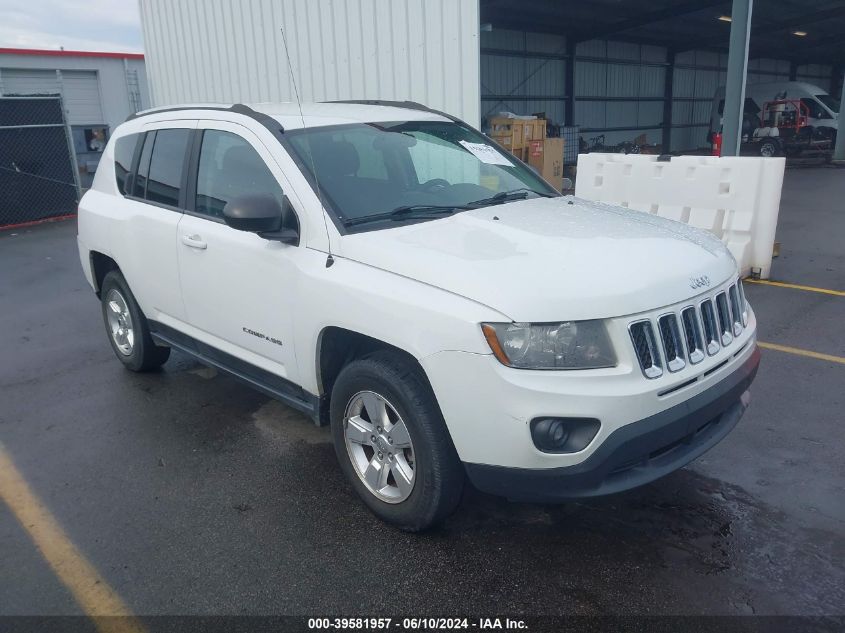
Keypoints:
pixel 145 238
pixel 239 289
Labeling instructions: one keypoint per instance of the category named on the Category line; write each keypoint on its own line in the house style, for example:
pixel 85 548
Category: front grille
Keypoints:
pixel 743 303
pixel 671 337
pixel 690 334
pixel 645 347
pixel 736 311
pixel 711 327
pixel 723 311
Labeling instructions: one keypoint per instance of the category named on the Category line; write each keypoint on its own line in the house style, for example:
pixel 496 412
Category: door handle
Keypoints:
pixel 194 241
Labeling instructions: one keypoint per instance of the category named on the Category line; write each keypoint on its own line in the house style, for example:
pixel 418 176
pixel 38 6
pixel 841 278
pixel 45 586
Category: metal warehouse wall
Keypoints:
pixel 619 90
pixel 698 74
pixel 522 73
pixel 97 90
pixel 618 86
pixel 215 50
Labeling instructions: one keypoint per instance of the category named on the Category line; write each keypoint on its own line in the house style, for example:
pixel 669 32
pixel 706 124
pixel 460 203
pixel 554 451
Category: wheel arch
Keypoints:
pixel 337 347
pixel 101 265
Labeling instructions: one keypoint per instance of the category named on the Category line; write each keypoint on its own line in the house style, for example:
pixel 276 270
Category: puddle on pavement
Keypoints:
pixel 709 539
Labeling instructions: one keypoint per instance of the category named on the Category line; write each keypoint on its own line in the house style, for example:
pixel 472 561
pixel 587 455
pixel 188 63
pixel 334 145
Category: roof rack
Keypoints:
pixel 238 108
pixel 407 105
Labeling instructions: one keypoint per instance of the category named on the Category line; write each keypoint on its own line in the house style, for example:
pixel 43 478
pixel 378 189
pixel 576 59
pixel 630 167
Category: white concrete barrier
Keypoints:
pixel 737 198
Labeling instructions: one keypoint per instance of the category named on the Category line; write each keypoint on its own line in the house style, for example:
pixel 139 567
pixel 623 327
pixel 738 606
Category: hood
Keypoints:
pixel 551 259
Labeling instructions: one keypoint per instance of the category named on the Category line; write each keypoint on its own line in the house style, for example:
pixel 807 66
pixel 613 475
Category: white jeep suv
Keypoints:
pixel 388 270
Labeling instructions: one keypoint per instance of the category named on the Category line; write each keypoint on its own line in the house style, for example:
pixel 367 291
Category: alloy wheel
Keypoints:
pixel 120 322
pixel 379 446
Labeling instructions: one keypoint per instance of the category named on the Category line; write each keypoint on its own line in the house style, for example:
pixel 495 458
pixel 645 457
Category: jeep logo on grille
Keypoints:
pixel 699 282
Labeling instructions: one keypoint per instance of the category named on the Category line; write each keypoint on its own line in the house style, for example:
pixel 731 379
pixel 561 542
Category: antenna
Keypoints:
pixel 329 259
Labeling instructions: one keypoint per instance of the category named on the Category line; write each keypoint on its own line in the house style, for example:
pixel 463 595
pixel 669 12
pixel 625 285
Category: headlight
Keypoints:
pixel 570 345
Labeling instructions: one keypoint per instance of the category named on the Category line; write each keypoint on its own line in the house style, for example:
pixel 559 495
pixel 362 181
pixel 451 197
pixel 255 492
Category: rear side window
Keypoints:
pixel 139 187
pixel 124 152
pixel 165 172
pixel 229 167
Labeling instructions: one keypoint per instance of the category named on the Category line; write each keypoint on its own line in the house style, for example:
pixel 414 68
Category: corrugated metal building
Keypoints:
pixel 437 52
pixel 618 86
pixel 98 90
pixel 212 50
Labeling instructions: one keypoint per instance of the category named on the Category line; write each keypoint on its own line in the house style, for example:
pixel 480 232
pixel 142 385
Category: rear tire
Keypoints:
pixel 392 442
pixel 127 327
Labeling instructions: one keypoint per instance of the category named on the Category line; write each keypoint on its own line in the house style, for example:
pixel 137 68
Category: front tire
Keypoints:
pixel 392 443
pixel 127 328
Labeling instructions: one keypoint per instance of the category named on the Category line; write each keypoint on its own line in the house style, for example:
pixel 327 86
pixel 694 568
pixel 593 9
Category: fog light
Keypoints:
pixel 563 435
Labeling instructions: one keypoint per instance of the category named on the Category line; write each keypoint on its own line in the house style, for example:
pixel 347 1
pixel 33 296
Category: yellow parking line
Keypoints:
pixel 780 284
pixel 802 352
pixel 89 589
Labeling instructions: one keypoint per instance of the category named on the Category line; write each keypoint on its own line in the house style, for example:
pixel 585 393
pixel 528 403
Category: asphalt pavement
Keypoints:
pixel 190 493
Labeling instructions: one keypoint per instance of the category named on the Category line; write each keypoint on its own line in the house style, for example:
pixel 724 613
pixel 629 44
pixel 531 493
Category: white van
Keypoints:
pixel 823 108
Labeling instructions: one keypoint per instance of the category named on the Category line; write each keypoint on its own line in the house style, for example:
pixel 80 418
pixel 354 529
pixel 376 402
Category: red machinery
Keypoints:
pixel 785 114
pixel 784 129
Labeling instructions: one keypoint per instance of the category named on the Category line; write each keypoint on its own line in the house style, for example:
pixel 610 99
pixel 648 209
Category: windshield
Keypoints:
pixel 374 169
pixel 831 103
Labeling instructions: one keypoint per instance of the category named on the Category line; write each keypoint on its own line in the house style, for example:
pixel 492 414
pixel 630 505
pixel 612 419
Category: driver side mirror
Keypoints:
pixel 261 213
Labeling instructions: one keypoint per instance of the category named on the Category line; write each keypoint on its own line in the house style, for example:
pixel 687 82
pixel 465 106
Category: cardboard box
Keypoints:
pixel 515 134
pixel 547 158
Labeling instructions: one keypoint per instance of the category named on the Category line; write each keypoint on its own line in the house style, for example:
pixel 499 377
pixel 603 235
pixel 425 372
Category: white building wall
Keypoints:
pixel 221 51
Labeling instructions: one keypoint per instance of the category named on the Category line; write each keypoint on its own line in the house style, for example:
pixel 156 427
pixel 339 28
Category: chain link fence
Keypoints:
pixel 38 175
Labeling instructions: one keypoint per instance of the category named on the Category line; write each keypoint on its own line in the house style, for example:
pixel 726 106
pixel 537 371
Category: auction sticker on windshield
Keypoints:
pixel 486 154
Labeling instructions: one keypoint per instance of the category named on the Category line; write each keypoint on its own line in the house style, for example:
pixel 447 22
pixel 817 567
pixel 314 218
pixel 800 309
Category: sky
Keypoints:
pixel 88 25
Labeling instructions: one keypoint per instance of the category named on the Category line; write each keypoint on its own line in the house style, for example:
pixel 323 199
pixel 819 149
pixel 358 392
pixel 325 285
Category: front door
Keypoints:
pixel 239 289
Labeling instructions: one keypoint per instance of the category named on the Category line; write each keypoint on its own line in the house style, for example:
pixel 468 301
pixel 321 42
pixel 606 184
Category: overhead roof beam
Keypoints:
pixel 804 44
pixel 791 23
pixel 802 51
pixel 543 19
pixel 646 18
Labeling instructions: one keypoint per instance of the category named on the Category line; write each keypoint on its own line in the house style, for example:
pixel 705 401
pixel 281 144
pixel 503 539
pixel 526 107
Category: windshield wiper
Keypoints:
pixel 409 212
pixel 507 196
pixel 415 211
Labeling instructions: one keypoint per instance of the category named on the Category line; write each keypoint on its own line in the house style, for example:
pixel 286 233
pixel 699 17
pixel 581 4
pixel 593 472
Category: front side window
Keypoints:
pixel 832 103
pixel 165 173
pixel 230 167
pixel 124 152
pixel 369 170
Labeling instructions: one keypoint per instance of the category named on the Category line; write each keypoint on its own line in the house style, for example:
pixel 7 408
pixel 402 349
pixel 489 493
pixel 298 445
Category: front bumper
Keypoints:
pixel 634 454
